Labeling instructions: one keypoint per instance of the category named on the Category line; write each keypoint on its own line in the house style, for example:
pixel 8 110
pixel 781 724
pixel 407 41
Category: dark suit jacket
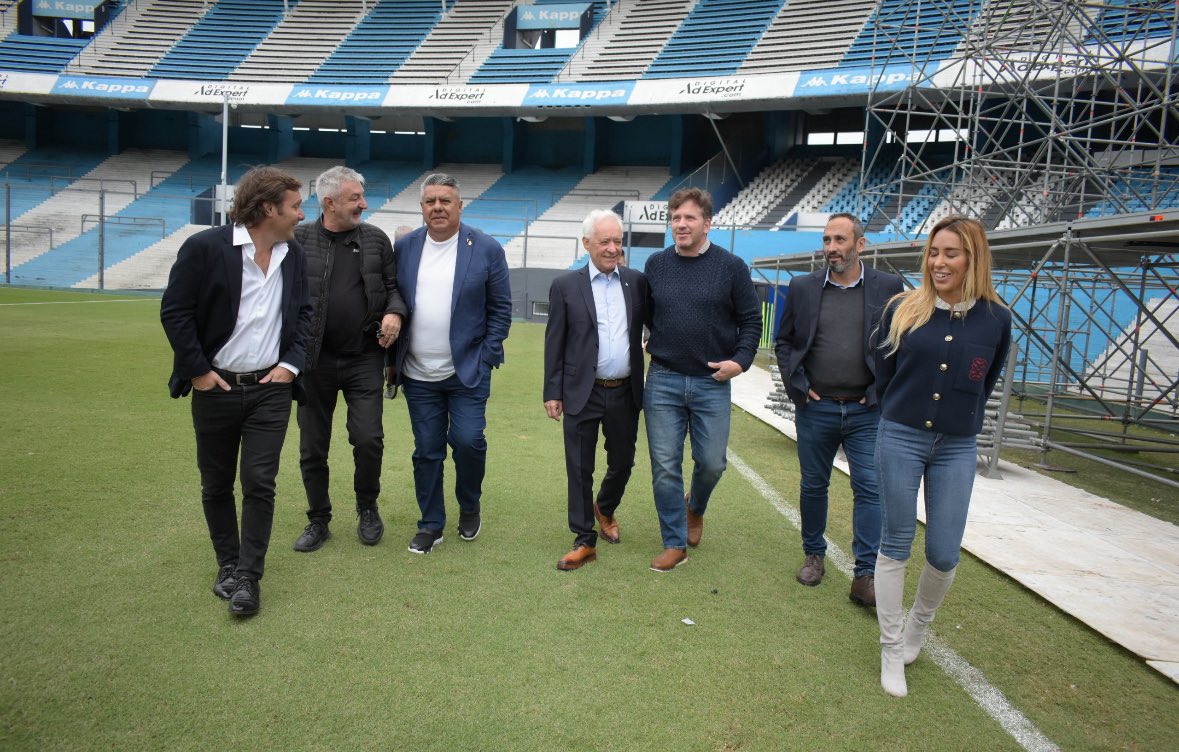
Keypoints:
pixel 200 304
pixel 571 337
pixel 800 319
pixel 481 303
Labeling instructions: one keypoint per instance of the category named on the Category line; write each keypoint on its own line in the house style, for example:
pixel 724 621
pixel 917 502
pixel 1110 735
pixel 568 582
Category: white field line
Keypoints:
pixel 989 698
pixel 82 302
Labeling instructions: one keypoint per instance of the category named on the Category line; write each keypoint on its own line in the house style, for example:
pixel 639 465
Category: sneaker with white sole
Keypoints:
pixel 425 541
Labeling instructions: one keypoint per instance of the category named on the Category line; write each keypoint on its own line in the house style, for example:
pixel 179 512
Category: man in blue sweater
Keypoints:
pixel 705 322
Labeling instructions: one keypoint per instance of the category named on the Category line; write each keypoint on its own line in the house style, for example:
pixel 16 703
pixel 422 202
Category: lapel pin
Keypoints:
pixel 469 242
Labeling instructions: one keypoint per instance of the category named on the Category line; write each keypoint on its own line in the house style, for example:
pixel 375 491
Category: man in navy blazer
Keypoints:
pixel 454 280
pixel 237 314
pixel 593 375
pixel 824 354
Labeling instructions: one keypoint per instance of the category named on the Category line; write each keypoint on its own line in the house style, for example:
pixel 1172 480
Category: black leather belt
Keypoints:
pixel 612 383
pixel 841 399
pixel 243 379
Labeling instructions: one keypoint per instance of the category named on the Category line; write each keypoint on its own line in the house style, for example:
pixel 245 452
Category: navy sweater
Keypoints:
pixel 701 309
pixel 944 371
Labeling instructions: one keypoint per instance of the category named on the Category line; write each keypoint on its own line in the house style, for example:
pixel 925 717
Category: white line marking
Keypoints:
pixel 990 699
pixel 80 302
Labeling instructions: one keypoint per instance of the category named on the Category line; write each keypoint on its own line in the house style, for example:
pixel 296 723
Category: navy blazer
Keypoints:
pixel 571 337
pixel 480 304
pixel 200 305
pixel 800 319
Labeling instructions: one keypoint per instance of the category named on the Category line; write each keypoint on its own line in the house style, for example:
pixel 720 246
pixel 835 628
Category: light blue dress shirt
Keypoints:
pixel 613 342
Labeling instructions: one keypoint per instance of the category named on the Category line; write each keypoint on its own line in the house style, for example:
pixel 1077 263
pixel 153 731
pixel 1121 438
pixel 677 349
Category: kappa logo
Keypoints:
pixel 584 95
pixel 857 79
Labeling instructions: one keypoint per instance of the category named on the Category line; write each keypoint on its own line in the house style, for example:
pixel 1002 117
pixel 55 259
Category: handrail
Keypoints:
pixel 118 219
pixel 101 184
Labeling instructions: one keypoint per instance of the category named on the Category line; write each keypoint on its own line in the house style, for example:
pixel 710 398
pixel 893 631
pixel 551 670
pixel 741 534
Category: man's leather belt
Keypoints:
pixel 841 398
pixel 612 383
pixel 243 379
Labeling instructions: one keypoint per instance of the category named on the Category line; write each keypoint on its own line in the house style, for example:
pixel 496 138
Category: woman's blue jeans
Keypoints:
pixel 904 457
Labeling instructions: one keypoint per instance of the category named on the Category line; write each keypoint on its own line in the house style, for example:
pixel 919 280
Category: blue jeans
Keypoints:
pixel 440 413
pixel 822 426
pixel 674 405
pixel 947 463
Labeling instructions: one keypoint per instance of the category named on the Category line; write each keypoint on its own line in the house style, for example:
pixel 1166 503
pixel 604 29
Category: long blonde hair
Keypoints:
pixel 915 307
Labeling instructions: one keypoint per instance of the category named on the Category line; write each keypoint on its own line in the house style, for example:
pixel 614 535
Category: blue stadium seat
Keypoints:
pixel 381 42
pixel 38 54
pixel 910 31
pixel 217 44
pixel 715 38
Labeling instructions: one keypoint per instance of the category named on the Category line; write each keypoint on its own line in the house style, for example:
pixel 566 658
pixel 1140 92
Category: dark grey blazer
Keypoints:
pixel 800 319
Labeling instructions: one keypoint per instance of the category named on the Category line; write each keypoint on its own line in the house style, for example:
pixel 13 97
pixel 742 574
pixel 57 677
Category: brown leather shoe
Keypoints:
pixel 669 559
pixel 695 525
pixel 607 526
pixel 812 570
pixel 863 590
pixel 577 558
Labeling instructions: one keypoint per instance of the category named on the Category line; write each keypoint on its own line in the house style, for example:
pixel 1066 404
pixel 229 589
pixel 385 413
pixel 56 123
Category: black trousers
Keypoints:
pixel 253 419
pixel 362 380
pixel 615 411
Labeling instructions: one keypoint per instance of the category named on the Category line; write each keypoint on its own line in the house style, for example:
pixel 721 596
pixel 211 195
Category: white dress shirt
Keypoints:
pixel 257 334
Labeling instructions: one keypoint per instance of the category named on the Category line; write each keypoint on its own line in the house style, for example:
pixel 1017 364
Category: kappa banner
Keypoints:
pixel 104 87
pixel 373 96
pixel 552 16
pixel 578 95
pixel 82 9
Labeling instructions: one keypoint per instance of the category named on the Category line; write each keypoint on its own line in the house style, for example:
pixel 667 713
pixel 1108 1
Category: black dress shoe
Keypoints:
pixel 246 598
pixel 223 585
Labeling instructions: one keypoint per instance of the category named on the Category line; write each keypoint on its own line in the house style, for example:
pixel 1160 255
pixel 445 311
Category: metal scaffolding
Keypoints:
pixel 1056 124
pixel 1044 111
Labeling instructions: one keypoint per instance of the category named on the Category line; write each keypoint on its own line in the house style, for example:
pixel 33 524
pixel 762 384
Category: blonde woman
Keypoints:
pixel 942 347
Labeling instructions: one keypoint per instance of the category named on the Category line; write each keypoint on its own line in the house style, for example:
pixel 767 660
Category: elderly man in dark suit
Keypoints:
pixel 237 314
pixel 593 375
pixel 824 349
pixel 454 280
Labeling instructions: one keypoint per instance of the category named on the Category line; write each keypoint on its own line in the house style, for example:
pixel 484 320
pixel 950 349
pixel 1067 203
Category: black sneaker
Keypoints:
pixel 313 537
pixel 425 541
pixel 469 525
pixel 370 528
pixel 246 598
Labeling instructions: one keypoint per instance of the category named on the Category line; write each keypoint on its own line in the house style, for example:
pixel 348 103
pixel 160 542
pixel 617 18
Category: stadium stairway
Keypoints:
pixel 627 40
pixel 554 239
pixel 714 39
pixel 457 45
pixel 519 198
pixel 134 218
pixel 302 40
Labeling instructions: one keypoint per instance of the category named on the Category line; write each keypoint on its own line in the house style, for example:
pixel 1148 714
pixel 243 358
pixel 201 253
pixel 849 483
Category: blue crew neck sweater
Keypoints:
pixel 702 309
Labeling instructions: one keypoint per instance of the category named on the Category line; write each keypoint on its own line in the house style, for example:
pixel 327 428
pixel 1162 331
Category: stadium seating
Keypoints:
pixel 627 40
pixel 527 65
pixel 1123 20
pixel 301 41
pixel 714 39
pixel 379 44
pixel 905 32
pixel 789 43
pixel 220 40
pixel 38 54
pixel 138 38
pixel 457 45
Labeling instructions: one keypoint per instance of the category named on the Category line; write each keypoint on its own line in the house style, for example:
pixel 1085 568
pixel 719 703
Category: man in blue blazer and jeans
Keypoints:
pixel 824 353
pixel 454 280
